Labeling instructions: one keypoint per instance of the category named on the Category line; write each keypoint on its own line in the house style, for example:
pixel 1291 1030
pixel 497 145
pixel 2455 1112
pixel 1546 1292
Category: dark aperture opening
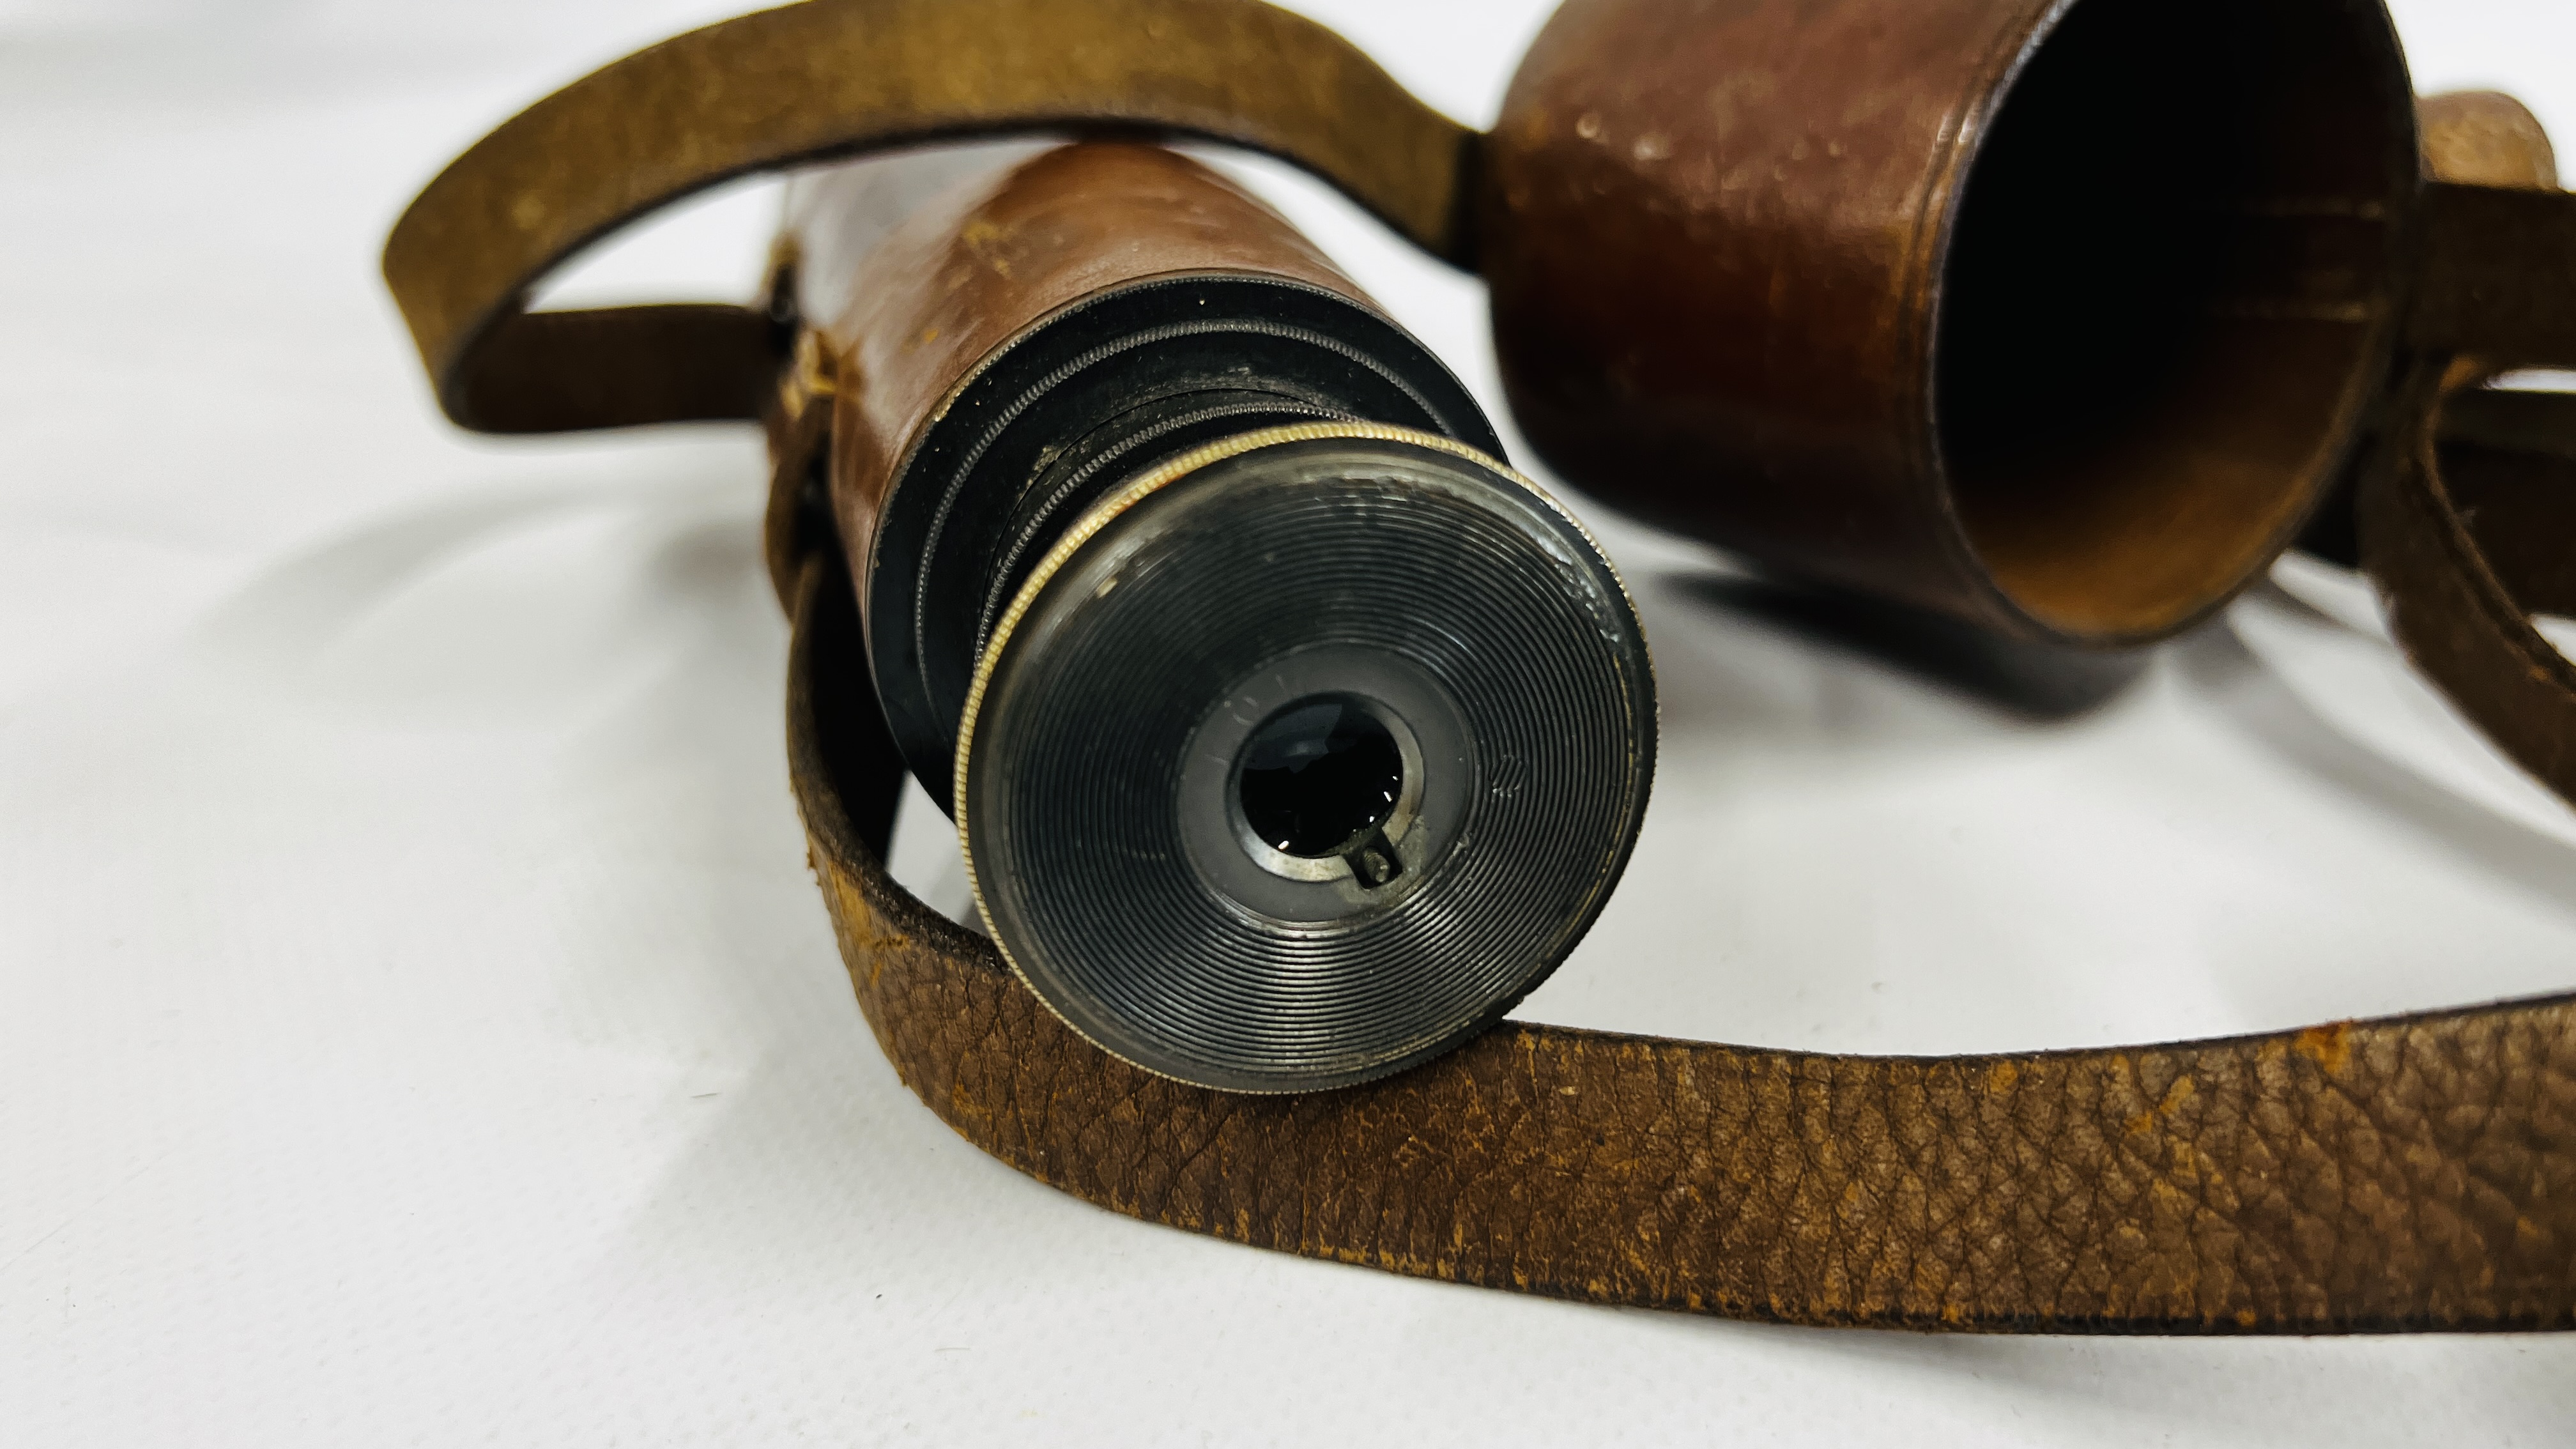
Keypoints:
pixel 1318 777
pixel 2166 297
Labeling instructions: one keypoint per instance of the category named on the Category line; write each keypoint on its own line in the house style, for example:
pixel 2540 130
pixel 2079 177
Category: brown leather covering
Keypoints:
pixel 2497 275
pixel 2464 563
pixel 616 367
pixel 1733 247
pixel 2388 1176
pixel 928 302
pixel 835 78
pixel 2466 543
pixel 2486 138
pixel 2519 507
pixel 2483 138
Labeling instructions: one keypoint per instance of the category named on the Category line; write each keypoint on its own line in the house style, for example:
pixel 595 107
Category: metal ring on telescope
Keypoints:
pixel 1100 759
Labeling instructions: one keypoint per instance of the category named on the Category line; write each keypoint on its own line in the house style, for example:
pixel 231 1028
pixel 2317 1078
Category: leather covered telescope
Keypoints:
pixel 1290 737
pixel 2060 317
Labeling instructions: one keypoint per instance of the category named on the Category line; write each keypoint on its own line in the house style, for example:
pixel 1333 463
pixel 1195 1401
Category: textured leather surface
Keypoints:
pixel 2404 1175
pixel 834 78
pixel 2497 276
pixel 970 270
pixel 2485 138
pixel 2467 543
pixel 2465 563
pixel 1952 369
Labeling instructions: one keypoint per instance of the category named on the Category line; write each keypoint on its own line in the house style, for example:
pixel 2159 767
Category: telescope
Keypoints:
pixel 1290 736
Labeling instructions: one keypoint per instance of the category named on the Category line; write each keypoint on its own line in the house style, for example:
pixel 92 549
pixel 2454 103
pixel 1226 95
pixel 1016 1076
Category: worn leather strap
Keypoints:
pixel 2467 543
pixel 834 78
pixel 2467 540
pixel 2496 274
pixel 2384 1176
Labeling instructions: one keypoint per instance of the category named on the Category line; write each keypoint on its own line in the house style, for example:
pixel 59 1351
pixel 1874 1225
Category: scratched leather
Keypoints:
pixel 958 279
pixel 2413 1174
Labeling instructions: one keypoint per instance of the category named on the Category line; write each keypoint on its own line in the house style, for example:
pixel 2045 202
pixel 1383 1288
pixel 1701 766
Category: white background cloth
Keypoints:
pixel 417 1024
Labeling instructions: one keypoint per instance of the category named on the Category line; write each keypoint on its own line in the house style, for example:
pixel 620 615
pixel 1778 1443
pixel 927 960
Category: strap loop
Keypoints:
pixel 2496 276
pixel 2462 582
pixel 2463 574
pixel 835 78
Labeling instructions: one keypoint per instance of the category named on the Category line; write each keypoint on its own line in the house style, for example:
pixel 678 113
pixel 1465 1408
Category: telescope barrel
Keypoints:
pixel 1290 736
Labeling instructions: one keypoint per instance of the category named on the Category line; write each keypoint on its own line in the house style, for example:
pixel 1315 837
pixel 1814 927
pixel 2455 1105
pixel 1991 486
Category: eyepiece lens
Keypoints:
pixel 1318 776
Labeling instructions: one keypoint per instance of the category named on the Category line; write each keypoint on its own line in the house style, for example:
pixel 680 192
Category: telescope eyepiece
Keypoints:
pixel 1322 781
pixel 1290 737
pixel 1240 822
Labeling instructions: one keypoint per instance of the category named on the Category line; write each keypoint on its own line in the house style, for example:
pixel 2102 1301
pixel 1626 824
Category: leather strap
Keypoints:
pixel 2468 540
pixel 2539 423
pixel 835 78
pixel 2467 543
pixel 2384 1176
pixel 2496 275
